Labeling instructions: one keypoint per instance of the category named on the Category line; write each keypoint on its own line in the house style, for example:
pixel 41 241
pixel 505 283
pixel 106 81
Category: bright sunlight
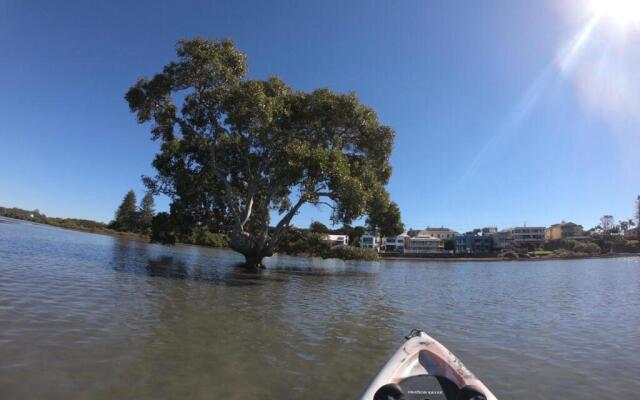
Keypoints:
pixel 621 12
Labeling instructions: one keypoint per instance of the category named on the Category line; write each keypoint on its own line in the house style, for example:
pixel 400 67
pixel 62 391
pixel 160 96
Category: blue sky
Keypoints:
pixel 504 113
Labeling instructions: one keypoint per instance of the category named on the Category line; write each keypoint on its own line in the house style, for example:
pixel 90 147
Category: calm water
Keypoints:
pixel 93 317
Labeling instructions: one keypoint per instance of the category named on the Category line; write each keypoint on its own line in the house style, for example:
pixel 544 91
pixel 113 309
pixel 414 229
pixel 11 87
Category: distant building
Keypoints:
pixel 394 243
pixel 338 240
pixel 438 233
pixel 473 244
pixel 369 241
pixel 424 245
pixel 526 235
pixel 490 230
pixel 564 230
pixel 502 241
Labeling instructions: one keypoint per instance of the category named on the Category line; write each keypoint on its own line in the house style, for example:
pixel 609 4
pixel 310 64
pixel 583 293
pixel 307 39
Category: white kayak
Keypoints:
pixel 423 369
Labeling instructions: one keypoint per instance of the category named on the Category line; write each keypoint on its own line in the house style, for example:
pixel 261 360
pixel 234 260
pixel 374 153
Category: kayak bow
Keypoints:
pixel 423 369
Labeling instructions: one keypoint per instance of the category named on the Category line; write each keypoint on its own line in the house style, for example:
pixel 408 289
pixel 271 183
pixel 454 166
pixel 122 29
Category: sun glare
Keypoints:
pixel 621 12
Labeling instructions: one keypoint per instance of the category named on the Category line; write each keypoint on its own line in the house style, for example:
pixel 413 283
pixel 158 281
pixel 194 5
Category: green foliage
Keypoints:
pixel 448 244
pixel 300 241
pixel 303 242
pixel 621 245
pixel 26 215
pixel 162 229
pixel 318 227
pixel 84 225
pixel 146 213
pixel 234 150
pixel 203 237
pixel 127 217
pixel 351 253
pixel 354 233
pixel 384 216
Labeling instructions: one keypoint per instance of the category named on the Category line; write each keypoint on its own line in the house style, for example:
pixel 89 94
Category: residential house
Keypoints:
pixel 526 235
pixel 394 243
pixel 338 240
pixel 470 243
pixel 490 230
pixel 502 241
pixel 438 233
pixel 369 241
pixel 424 245
pixel 564 230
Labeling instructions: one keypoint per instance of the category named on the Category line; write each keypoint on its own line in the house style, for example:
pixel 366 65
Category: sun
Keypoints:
pixel 623 13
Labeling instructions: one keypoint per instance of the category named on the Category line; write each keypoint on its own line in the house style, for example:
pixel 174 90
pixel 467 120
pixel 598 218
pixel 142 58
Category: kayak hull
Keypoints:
pixel 423 356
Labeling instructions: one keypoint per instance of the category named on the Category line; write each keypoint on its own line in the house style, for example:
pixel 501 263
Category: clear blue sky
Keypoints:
pixel 504 114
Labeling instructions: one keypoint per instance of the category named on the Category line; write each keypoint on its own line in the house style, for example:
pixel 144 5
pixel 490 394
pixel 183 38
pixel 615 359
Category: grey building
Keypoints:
pixel 473 244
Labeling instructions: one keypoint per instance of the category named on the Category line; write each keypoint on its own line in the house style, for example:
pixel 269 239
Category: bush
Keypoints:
pixel 304 242
pixel 511 255
pixel 586 248
pixel 204 237
pixel 624 246
pixel 351 253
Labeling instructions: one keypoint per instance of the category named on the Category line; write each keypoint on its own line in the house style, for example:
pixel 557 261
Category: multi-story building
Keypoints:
pixel 489 230
pixel 424 245
pixel 438 233
pixel 394 243
pixel 473 244
pixel 501 241
pixel 564 230
pixel 338 240
pixel 526 235
pixel 369 241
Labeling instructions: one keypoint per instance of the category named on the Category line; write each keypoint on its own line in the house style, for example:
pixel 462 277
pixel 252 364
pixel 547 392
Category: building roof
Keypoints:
pixel 564 224
pixel 441 229
pixel 426 237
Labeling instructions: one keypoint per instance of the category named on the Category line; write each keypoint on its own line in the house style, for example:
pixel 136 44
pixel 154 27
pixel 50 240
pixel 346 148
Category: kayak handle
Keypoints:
pixel 413 333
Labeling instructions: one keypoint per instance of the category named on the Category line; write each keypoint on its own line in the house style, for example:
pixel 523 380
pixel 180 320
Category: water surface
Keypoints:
pixel 87 316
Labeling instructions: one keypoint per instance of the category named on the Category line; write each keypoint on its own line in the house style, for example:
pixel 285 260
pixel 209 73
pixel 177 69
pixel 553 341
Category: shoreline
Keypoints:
pixel 135 236
pixel 496 259
pixel 98 231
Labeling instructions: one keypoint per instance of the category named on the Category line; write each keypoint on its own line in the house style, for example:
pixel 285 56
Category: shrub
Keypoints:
pixel 512 255
pixel 351 253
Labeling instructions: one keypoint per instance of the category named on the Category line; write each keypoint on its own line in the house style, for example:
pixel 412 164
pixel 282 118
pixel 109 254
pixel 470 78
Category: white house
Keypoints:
pixel 338 240
pixel 394 243
pixel 369 241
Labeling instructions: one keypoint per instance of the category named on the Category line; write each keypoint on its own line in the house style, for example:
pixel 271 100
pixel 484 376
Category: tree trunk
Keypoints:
pixel 253 262
pixel 253 251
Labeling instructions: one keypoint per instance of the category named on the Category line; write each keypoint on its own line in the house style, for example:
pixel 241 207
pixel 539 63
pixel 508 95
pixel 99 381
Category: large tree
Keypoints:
pixel 236 151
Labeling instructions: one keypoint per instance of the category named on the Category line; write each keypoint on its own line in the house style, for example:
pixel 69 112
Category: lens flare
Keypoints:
pixel 623 13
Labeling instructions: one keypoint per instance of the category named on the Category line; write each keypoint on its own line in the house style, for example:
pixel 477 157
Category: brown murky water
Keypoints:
pixel 93 317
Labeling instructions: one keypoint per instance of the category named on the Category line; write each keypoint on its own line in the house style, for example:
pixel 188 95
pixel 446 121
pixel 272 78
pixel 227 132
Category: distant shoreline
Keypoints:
pixel 138 237
pixel 493 259
pixel 97 231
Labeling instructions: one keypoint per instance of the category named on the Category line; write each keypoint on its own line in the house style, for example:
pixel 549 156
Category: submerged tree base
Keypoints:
pixel 253 264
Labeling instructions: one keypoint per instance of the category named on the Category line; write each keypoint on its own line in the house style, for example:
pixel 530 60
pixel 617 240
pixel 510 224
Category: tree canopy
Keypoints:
pixel 147 211
pixel 235 151
pixel 126 218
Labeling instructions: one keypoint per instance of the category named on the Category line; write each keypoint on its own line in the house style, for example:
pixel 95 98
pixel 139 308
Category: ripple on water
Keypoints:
pixel 89 316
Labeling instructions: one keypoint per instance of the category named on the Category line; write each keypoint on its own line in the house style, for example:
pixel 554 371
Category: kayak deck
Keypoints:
pixel 423 369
